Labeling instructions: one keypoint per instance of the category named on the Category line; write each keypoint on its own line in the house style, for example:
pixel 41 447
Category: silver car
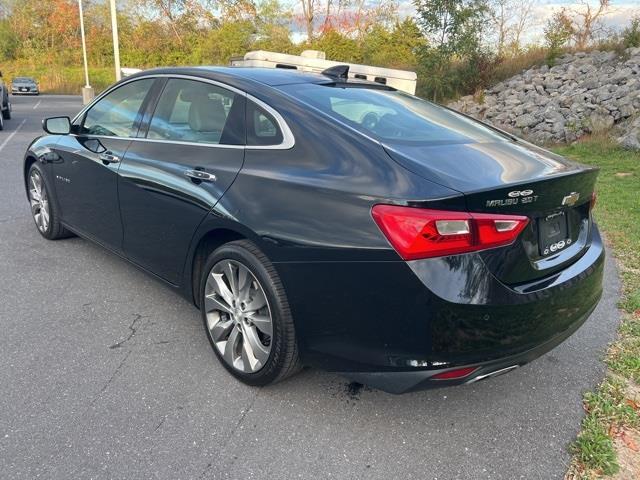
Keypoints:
pixel 24 86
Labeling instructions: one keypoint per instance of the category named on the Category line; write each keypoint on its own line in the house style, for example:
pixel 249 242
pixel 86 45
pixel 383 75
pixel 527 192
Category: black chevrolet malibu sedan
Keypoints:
pixel 324 221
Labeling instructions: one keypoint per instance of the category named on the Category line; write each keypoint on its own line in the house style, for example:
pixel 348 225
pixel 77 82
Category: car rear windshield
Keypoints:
pixel 392 116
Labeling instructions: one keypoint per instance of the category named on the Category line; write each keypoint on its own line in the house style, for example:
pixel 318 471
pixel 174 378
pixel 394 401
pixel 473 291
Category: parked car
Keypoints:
pixel 24 86
pixel 321 220
pixel 5 104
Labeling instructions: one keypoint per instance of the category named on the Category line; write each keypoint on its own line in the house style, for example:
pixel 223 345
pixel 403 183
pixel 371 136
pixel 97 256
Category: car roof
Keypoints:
pixel 272 77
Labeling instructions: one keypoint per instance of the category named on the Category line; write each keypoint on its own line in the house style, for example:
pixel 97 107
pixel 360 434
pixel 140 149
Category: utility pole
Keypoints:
pixel 116 46
pixel 87 90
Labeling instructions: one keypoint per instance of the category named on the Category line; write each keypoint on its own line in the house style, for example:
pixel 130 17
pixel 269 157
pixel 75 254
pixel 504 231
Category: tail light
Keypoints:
pixel 592 203
pixel 421 233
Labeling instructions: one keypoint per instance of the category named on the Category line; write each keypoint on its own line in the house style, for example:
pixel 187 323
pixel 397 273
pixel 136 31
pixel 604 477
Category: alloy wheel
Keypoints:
pixel 39 201
pixel 238 316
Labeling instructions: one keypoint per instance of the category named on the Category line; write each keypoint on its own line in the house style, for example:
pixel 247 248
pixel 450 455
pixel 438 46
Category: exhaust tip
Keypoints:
pixel 493 374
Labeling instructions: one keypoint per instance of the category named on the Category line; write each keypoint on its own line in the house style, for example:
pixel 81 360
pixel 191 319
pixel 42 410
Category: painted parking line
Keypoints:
pixel 6 140
pixel 37 104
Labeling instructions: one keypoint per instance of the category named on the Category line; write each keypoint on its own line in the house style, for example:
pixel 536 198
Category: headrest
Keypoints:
pixel 207 115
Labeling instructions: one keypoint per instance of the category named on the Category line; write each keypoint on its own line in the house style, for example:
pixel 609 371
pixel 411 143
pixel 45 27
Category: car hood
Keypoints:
pixel 468 167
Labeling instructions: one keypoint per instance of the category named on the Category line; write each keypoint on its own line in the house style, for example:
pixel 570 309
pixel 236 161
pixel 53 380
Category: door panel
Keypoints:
pixel 161 206
pixel 86 187
pixel 86 176
pixel 169 181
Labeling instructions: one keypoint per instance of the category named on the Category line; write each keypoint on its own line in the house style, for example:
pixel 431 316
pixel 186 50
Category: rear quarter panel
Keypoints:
pixel 312 202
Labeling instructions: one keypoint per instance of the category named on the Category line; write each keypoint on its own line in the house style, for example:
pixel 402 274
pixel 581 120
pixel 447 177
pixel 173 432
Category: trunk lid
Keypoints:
pixel 515 178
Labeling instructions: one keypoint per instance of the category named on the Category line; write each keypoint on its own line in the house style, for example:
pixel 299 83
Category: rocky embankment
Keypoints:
pixel 583 93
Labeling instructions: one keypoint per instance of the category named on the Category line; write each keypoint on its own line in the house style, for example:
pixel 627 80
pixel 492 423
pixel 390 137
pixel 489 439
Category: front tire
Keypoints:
pixel 43 208
pixel 246 315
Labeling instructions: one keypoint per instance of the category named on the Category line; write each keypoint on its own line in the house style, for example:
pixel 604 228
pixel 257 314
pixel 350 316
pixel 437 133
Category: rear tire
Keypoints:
pixel 2 121
pixel 6 112
pixel 246 315
pixel 43 206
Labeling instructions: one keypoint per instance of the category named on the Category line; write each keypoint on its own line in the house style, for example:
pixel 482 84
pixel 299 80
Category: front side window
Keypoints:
pixel 115 114
pixel 199 112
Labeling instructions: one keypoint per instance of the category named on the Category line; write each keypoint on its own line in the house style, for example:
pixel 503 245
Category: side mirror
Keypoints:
pixel 57 125
pixel 0 74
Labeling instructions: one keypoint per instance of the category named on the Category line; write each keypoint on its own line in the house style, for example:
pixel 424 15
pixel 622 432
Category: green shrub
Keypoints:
pixel 557 33
pixel 631 34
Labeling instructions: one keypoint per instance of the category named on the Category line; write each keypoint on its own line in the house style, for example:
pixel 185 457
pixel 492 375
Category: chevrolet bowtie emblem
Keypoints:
pixel 571 199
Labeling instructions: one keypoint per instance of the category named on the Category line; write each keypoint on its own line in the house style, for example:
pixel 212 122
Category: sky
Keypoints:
pixel 620 12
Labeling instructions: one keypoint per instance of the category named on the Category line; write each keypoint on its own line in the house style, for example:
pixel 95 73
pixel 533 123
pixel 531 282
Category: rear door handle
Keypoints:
pixel 200 175
pixel 108 157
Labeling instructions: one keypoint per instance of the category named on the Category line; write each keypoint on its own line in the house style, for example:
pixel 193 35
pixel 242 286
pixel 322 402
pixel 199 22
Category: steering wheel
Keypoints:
pixel 370 121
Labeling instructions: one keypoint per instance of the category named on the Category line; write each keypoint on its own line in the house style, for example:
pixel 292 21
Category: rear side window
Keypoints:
pixel 262 128
pixel 115 114
pixel 199 112
pixel 392 116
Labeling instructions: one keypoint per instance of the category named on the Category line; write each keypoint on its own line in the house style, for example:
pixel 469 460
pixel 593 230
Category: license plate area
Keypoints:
pixel 553 233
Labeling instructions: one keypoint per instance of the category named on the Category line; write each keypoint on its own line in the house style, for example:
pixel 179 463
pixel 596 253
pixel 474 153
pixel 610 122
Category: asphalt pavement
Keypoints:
pixel 106 373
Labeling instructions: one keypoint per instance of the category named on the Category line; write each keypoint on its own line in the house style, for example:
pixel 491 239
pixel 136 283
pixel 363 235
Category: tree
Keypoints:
pixel 395 48
pixel 230 39
pixel 524 11
pixel 364 15
pixel 272 27
pixel 586 21
pixel 454 29
pixel 509 19
pixel 8 43
pixel 338 46
pixel 500 14
pixel 309 8
pixel 557 33
pixel 631 34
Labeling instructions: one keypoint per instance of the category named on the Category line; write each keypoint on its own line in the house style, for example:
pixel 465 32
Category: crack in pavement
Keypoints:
pixel 111 379
pixel 238 424
pixel 159 424
pixel 132 332
pixel 166 416
pixel 133 329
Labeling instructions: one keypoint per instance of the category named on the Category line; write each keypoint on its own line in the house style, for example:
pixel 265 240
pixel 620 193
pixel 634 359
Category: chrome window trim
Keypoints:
pixel 288 140
pixel 156 140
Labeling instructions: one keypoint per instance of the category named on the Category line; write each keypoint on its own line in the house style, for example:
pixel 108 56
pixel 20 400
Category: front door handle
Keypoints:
pixel 108 157
pixel 200 175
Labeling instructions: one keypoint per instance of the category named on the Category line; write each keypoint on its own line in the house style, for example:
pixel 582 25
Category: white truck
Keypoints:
pixel 315 61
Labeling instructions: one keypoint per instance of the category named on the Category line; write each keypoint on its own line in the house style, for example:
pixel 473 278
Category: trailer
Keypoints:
pixel 315 61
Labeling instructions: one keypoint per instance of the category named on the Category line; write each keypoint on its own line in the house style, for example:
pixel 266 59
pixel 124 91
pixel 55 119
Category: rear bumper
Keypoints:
pixel 393 325
pixel 407 381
